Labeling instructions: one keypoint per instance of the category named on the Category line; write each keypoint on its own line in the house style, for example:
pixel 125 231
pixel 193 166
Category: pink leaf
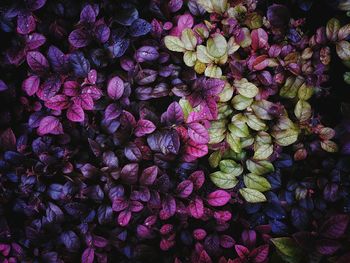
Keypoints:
pixel 75 113
pixel 85 101
pixel 196 208
pixel 144 127
pixel 136 206
pixel 115 88
pixel 198 133
pixel 218 198
pixel 259 254
pixel 58 102
pixel 168 208
pixel 185 21
pixel 25 23
pixel 50 125
pixel 198 179
pixel 119 204
pixel 30 85
pixel 227 241
pixel 261 62
pixel 242 251
pixel 71 88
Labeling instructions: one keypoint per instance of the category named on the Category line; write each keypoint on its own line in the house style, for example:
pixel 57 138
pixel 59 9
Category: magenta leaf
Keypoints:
pixel 58 102
pixel 25 23
pixel 31 85
pixel 115 88
pixel 149 175
pixel 119 204
pixel 218 198
pixel 88 255
pixel 196 207
pixel 75 113
pixel 185 21
pixel 34 41
pixel 335 226
pixel 71 88
pixel 241 251
pixel 259 38
pixel 260 254
pixel 198 133
pixel 198 179
pixel 50 125
pixel 168 208
pixel 37 62
pixel 135 206
pixel 196 150
pixel 85 101
pixel 79 38
pixel 144 127
pixel 184 189
pixel 226 241
pixel 129 173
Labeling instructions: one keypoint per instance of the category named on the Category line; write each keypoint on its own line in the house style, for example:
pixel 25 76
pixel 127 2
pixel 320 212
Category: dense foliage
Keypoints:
pixel 174 131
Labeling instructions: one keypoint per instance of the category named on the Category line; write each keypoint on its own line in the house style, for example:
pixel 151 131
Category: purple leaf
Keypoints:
pixel 278 15
pixel 112 112
pixel 49 88
pixel 102 33
pixel 50 125
pixel 168 208
pixel 139 27
pixel 79 38
pixel 144 127
pixel 132 152
pixel 335 226
pixel 226 241
pixel 87 15
pixel 259 38
pixel 198 179
pixel 31 85
pixel 184 189
pixel 88 255
pixel 58 102
pixel 3 85
pixel 110 159
pixel 25 23
pixel 327 246
pixel 135 206
pixel 174 113
pixel 196 208
pixel 129 173
pixel 115 88
pixel 175 5
pixel 218 198
pixel 198 133
pixel 185 21
pixel 80 65
pixel 146 53
pixel 149 175
pixel 213 86
pixel 34 41
pixel 37 62
pixel 7 140
pixel 57 58
pixel 75 113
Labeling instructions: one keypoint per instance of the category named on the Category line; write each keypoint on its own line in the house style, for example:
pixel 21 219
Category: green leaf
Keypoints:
pixel 190 58
pixel 288 249
pixel 255 123
pixel 189 39
pixel 302 110
pixel 219 6
pixel 305 92
pixel 246 88
pixel 217 131
pixel 259 167
pixel 291 87
pixel 214 159
pixel 252 196
pixel 262 151
pixel 343 50
pixel 240 129
pixel 332 29
pixel 223 180
pixel 347 77
pixel 186 107
pixel 207 5
pixel 213 71
pixel 174 44
pixel 234 143
pixel 217 45
pixel 240 102
pixel 256 182
pixel 231 167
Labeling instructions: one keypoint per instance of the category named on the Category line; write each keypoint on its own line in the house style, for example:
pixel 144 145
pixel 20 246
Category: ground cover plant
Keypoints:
pixel 175 131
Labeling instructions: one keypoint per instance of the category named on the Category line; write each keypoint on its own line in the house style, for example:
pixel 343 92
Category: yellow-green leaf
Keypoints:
pixel 223 180
pixel 231 167
pixel 302 110
pixel 232 46
pixel 259 167
pixel 189 39
pixel 257 182
pixel 214 159
pixel 217 45
pixel 252 196
pixel 227 93
pixel 329 146
pixel 305 92
pixel 343 50
pixel 255 123
pixel 174 44
pixel 234 143
pixel 203 55
pixel 285 137
pixel 207 5
pixel 246 88
pixel 186 107
pixel 240 102
pixel 190 58
pixel 213 71
pixel 262 151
